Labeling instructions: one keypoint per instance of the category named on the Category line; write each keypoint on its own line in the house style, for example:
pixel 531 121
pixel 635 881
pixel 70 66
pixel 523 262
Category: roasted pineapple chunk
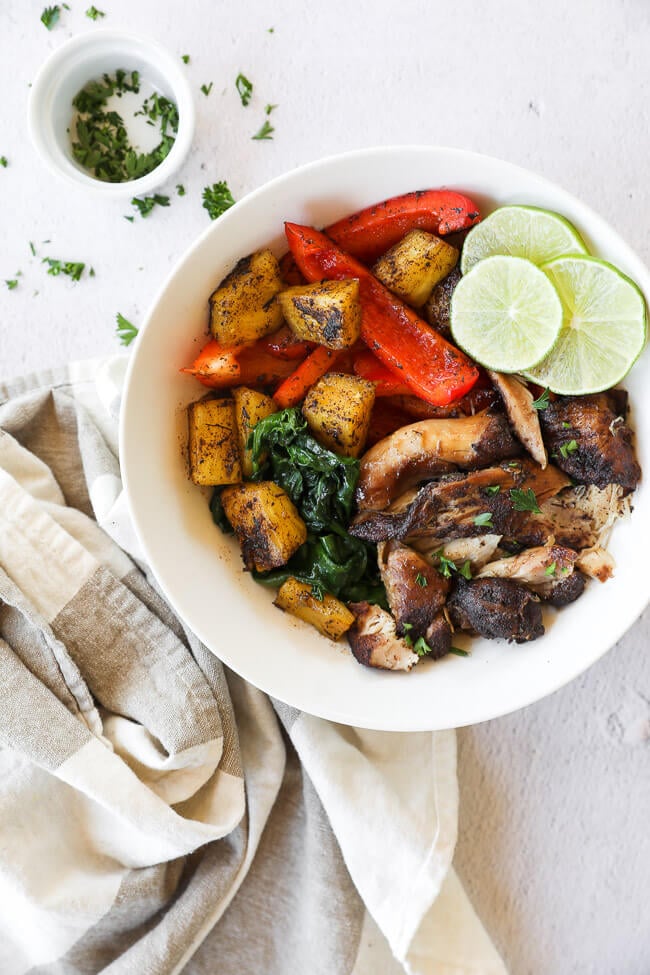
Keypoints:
pixel 328 312
pixel 244 307
pixel 329 615
pixel 250 408
pixel 213 449
pixel 267 524
pixel 337 409
pixel 414 266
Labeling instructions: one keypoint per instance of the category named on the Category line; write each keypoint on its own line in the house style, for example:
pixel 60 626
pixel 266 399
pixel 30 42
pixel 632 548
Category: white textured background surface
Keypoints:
pixel 555 845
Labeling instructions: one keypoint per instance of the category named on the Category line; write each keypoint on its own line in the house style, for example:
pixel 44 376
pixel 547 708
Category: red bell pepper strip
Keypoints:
pixel 295 387
pixel 433 368
pixel 387 383
pixel 370 232
pixel 221 367
pixel 284 345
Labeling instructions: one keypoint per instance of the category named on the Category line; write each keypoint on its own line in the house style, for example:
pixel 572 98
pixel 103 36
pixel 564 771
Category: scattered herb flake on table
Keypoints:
pixel 265 132
pixel 145 204
pixel 180 189
pixel 73 269
pixel 126 331
pixel 206 89
pixel 185 58
pixel 244 87
pixel 217 199
pixel 11 283
pixel 270 108
pixel 93 13
pixel 50 16
pixel 4 162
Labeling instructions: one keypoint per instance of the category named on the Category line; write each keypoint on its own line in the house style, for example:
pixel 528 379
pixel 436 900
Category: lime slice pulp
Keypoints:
pixel 521 231
pixel 603 327
pixel 506 314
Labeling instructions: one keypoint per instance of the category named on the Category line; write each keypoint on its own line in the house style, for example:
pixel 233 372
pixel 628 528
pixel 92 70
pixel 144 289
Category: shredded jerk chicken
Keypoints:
pixel 474 536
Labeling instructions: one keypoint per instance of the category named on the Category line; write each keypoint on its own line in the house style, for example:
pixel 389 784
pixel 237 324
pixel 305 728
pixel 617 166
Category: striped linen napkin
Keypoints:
pixel 157 813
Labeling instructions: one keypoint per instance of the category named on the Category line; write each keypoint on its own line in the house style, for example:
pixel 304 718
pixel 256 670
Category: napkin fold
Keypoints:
pixel 157 813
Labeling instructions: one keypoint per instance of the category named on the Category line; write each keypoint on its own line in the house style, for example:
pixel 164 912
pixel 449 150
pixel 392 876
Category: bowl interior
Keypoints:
pixel 200 570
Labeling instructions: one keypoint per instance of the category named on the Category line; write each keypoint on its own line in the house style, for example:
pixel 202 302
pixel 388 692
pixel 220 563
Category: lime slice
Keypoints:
pixel 538 235
pixel 603 329
pixel 506 314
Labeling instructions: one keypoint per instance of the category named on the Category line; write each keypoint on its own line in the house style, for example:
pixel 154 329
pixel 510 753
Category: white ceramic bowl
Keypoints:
pixel 85 58
pixel 200 570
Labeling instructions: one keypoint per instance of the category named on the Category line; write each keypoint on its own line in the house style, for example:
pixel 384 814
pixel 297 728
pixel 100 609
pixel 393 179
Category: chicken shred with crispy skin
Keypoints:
pixel 496 608
pixel 429 448
pixel 416 591
pixel 374 641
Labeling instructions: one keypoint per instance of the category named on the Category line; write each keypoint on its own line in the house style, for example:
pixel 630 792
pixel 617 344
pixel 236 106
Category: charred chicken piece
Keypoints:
pixel 436 310
pixel 496 609
pixel 416 591
pixel 374 640
pixel 429 448
pixel 438 637
pixel 589 439
pixel 449 508
pixel 566 590
pixel 597 563
pixel 524 418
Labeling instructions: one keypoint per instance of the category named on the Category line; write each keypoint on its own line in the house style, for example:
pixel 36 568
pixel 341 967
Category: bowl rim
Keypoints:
pixel 593 219
pixel 53 71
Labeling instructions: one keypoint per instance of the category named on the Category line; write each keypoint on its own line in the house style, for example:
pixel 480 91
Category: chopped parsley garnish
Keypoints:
pixel 445 566
pixel 421 647
pixel 206 89
pixel 550 569
pixel 408 640
pixel 513 465
pixel 264 132
pixel 180 189
pixel 421 580
pixel 569 448
pixel 317 592
pixel 493 489
pixel 185 58
pixel 269 108
pixel 145 204
pixel 244 87
pixel 542 400
pixel 525 500
pixel 73 269
pixel 94 14
pixel 459 652
pixel 484 520
pixel 100 140
pixel 4 162
pixel 270 30
pixel 32 248
pixel 12 283
pixel 465 570
pixel 217 199
pixel 126 331
pixel 565 425
pixel 50 16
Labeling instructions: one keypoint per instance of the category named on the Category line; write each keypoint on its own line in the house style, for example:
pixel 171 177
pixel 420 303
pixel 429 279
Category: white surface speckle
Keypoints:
pixel 554 846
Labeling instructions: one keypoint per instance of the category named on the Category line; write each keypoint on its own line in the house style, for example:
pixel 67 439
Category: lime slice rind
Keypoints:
pixel 505 314
pixel 521 231
pixel 604 327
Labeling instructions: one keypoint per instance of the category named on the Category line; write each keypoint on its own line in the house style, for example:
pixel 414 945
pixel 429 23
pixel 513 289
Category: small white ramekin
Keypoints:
pixel 83 59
